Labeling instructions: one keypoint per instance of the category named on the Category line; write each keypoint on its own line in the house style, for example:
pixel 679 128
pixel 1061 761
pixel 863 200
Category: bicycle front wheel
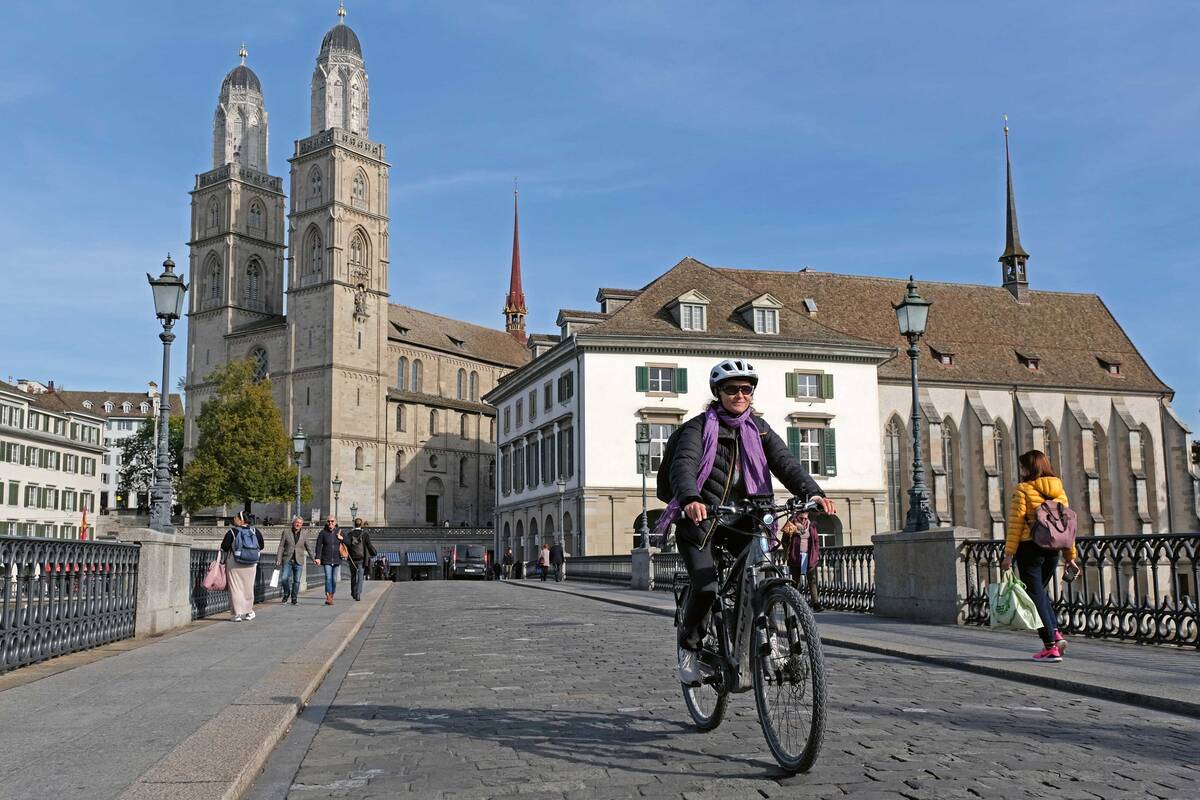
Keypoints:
pixel 789 680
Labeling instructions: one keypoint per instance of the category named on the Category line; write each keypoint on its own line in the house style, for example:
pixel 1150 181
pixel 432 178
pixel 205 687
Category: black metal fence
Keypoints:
pixel 205 603
pixel 61 596
pixel 665 567
pixel 846 578
pixel 601 569
pixel 1136 588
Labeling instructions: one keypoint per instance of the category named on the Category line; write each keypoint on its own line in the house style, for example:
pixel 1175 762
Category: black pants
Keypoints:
pixel 357 575
pixel 1036 565
pixel 703 573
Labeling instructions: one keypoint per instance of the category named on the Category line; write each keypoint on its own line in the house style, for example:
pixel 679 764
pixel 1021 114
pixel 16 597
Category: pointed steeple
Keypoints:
pixel 1014 256
pixel 514 304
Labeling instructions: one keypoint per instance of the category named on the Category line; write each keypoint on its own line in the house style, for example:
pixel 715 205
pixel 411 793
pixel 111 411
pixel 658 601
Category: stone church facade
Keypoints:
pixel 388 396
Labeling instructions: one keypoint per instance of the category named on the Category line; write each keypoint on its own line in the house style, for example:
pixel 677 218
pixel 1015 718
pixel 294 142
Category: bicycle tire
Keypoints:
pixel 698 698
pixel 773 676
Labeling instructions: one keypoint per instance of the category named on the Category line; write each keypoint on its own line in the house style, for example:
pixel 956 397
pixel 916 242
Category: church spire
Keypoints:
pixel 514 304
pixel 1014 257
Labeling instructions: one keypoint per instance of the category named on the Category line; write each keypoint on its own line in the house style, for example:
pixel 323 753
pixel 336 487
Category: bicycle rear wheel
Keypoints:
pixel 789 680
pixel 706 703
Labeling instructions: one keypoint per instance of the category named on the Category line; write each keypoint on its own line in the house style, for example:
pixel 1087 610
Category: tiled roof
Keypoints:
pixel 74 401
pixel 577 313
pixel 423 329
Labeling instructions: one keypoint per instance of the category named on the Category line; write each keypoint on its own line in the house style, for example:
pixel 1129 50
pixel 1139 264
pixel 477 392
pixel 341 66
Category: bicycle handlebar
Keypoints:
pixel 760 506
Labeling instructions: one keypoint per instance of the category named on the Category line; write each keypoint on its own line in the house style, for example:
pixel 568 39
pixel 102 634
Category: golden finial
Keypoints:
pixel 243 53
pixel 1006 124
pixel 341 11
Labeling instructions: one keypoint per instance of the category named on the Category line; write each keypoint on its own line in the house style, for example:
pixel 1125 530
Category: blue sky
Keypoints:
pixel 850 137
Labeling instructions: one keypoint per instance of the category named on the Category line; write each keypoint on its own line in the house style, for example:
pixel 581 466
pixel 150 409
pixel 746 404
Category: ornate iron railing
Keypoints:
pixel 205 603
pixel 601 569
pixel 1136 588
pixel 846 578
pixel 61 596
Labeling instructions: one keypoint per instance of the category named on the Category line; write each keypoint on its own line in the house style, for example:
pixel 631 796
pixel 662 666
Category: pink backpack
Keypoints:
pixel 1053 526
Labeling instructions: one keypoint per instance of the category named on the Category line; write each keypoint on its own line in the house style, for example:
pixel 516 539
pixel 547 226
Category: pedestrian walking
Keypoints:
pixel 1035 564
pixel 241 549
pixel 558 561
pixel 331 549
pixel 290 558
pixel 359 545
pixel 544 561
pixel 802 544
pixel 508 564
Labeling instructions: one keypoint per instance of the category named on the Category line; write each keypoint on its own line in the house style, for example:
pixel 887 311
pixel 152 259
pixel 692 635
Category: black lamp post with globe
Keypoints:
pixel 912 314
pixel 168 290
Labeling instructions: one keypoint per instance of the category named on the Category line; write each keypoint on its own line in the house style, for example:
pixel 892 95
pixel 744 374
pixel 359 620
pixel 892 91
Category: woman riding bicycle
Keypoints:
pixel 723 455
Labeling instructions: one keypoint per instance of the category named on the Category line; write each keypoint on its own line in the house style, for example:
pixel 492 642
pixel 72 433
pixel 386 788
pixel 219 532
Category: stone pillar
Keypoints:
pixel 164 581
pixel 918 576
pixel 643 568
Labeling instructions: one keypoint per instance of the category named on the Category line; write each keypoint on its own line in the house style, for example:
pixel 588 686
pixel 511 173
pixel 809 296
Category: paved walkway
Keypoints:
pixel 482 690
pixel 184 716
pixel 1165 678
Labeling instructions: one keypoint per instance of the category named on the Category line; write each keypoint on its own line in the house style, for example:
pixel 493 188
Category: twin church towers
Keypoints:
pixel 333 357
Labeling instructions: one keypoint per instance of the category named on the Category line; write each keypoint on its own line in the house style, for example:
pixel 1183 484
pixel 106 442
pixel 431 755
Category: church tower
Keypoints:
pixel 514 303
pixel 1014 256
pixel 237 242
pixel 337 283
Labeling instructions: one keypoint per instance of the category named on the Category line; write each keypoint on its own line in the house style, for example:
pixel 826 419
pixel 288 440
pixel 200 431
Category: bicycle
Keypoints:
pixel 773 646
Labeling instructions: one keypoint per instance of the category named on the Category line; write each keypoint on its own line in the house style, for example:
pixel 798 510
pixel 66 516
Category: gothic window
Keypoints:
pixel 401 372
pixel 401 421
pixel 253 275
pixel 416 375
pixel 1051 445
pixel 314 183
pixel 474 386
pixel 359 188
pixel 948 463
pixel 433 422
pixel 214 213
pixel 315 252
pixel 491 473
pixel 462 426
pixel 399 466
pixel 998 449
pixel 358 250
pixel 892 461
pixel 213 274
pixel 256 217
pixel 358 458
pixel 459 387
pixel 462 471
pixel 258 358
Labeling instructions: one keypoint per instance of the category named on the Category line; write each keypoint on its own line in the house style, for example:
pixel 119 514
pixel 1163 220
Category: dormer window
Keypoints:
pixel 126 407
pixel 87 403
pixel 108 406
pixel 1031 361
pixel 692 317
pixel 455 342
pixel 942 356
pixel 766 320
pixel 145 407
pixel 810 305
pixel 762 314
pixel 1110 365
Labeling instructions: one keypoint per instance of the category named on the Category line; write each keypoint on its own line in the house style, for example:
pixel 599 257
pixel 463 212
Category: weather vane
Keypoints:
pixel 342 10
pixel 243 53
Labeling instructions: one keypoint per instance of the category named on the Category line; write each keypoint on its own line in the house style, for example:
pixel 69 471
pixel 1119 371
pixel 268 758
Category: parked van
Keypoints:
pixel 469 561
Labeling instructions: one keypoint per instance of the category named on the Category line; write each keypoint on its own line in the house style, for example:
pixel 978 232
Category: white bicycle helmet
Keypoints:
pixel 731 368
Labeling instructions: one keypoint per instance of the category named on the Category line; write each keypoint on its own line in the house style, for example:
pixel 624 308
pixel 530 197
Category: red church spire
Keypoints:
pixel 514 304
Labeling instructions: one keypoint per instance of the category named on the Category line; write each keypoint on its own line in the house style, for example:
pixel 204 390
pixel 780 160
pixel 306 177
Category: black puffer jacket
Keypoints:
pixel 689 451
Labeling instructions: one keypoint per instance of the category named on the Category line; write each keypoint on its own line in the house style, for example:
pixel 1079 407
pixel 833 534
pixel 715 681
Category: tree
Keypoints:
pixel 139 457
pixel 243 454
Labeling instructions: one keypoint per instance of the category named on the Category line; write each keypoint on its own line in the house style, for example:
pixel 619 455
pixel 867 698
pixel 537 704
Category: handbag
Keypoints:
pixel 1010 606
pixel 275 579
pixel 214 579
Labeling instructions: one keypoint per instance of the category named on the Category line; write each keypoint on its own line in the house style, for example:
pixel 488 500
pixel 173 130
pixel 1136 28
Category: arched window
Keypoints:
pixel 256 216
pixel 214 212
pixel 358 458
pixel 533 537
pixel 314 183
pixel 399 466
pixel 460 384
pixel 401 421
pixel 948 456
pixel 474 386
pixel 126 407
pixel 401 372
pixel 491 473
pixel 462 471
pixel 519 544
pixel 1052 447
pixel 462 425
pixel 253 276
pixel 359 188
pixel 358 253
pixel 258 357
pixel 212 271
pixel 416 376
pixel 308 456
pixel 999 443
pixel 433 422
pixel 314 251
pixel 433 461
pixel 893 449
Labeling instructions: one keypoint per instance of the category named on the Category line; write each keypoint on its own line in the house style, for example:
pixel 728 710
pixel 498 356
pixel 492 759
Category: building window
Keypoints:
pixel 433 461
pixel 460 384
pixel 531 464
pixel 462 471
pixel 804 384
pixel 659 434
pixel 566 386
pixel 474 386
pixel 401 421
pixel 253 273
pixel 805 444
pixel 213 271
pixel 518 466
pixel 948 462
pixel 358 458
pixel 416 375
pixel 1051 445
pixel 399 466
pixel 145 408
pixel 314 183
pixel 359 189
pixel 566 453
pixel 548 463
pixel 258 357
pixel 462 426
pixel 507 420
pixel 547 396
pixel 315 252
pixel 892 462
pixel 691 317
pixel 766 320
pixel 433 422
pixel 520 413
pixel 358 258
pixel 256 215
pixel 214 213
pixel 401 371
pixel 662 379
pixel 532 405
pixel 998 452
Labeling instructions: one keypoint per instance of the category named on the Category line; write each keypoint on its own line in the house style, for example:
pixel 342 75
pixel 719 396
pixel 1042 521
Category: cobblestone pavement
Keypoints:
pixel 482 690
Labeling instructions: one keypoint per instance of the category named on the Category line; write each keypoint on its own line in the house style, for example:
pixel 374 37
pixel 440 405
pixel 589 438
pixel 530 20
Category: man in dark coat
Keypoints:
pixel 558 561
pixel 360 547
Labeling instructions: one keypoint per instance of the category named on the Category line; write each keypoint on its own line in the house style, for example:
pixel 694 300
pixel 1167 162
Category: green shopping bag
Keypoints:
pixel 1010 605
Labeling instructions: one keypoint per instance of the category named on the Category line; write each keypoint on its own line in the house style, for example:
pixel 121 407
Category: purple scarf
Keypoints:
pixel 755 473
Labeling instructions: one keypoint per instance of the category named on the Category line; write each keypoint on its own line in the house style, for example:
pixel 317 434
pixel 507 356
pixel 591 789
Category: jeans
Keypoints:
pixel 357 575
pixel 560 572
pixel 331 573
pixel 289 579
pixel 703 572
pixel 1036 566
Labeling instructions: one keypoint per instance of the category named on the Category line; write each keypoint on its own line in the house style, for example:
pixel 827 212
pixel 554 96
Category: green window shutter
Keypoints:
pixel 827 386
pixel 829 445
pixel 789 385
pixel 680 380
pixel 643 378
pixel 794 441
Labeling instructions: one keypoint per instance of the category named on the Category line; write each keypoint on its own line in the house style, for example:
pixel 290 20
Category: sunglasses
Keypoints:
pixel 733 391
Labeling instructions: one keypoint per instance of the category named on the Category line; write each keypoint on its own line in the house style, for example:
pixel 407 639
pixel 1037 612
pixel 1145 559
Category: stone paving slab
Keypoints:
pixel 1160 677
pixel 532 694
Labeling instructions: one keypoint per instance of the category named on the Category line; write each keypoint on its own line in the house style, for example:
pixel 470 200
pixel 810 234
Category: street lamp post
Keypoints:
pixel 912 314
pixel 643 452
pixel 562 488
pixel 168 290
pixel 337 490
pixel 298 441
pixel 353 512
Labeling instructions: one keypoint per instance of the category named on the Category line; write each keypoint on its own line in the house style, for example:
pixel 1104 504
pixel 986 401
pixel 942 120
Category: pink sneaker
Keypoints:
pixel 1050 654
pixel 1060 643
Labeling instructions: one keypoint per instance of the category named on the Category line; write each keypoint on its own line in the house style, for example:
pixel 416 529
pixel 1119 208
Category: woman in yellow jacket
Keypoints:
pixel 1036 564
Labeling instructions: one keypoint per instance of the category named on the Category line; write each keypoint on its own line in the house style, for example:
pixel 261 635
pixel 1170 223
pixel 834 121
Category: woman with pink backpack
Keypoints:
pixel 1036 563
